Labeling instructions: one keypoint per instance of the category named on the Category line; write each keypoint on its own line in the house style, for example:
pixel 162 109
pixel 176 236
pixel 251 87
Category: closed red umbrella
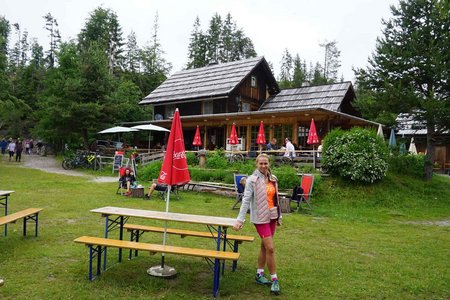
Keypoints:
pixel 197 139
pixel 174 171
pixel 233 140
pixel 261 139
pixel 313 139
pixel 312 135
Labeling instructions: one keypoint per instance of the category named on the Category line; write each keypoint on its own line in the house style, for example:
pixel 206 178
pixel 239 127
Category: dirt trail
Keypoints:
pixel 51 165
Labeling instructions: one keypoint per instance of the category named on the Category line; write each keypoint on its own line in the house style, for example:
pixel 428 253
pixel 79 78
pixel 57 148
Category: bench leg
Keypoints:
pixel 24 226
pixel 95 250
pixel 235 249
pixel 37 223
pixel 216 279
pixel 135 235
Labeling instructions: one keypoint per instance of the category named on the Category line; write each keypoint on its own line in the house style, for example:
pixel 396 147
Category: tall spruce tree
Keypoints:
pixel 103 27
pixel 410 69
pixel 154 66
pixel 285 78
pixel 132 59
pixel 331 62
pixel 223 42
pixel 51 25
pixel 214 39
pixel 299 73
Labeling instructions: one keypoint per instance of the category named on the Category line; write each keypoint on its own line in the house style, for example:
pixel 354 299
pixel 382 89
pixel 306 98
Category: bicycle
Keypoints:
pixel 82 159
pixel 235 158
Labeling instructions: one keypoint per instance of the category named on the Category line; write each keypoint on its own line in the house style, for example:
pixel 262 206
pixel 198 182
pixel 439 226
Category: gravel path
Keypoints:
pixel 51 165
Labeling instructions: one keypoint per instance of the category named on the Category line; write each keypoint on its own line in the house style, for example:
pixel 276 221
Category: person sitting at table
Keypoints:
pixel 155 186
pixel 290 149
pixel 128 180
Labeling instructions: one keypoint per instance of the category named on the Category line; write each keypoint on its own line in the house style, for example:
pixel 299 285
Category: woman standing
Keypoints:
pixel 261 196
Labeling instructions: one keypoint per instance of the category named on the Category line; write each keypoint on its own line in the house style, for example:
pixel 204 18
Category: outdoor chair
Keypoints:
pixel 239 188
pixel 173 190
pixel 122 185
pixel 163 193
pixel 299 197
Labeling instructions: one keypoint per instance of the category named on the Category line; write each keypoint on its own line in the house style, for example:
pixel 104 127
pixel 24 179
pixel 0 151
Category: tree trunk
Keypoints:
pixel 430 152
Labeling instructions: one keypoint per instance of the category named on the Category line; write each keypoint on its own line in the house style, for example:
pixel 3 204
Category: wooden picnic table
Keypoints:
pixel 4 195
pixel 116 217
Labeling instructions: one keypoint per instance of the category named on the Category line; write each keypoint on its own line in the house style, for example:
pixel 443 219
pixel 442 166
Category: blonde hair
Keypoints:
pixel 263 155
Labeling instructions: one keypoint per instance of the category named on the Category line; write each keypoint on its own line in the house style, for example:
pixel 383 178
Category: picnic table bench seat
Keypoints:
pixel 137 231
pixel 98 245
pixel 26 214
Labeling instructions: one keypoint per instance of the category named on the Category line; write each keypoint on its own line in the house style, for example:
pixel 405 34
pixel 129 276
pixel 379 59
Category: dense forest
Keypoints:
pixel 64 92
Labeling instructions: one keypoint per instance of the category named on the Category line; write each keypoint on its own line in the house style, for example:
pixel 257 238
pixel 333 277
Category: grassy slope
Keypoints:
pixel 358 243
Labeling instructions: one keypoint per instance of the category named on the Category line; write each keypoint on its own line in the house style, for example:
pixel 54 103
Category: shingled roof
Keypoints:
pixel 328 97
pixel 210 81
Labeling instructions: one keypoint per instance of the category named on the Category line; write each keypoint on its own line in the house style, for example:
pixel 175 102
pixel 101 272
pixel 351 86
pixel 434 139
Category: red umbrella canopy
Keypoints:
pixel 312 135
pixel 233 140
pixel 197 139
pixel 261 139
pixel 174 169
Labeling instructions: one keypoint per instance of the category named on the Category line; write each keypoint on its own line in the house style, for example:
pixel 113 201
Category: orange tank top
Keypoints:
pixel 270 189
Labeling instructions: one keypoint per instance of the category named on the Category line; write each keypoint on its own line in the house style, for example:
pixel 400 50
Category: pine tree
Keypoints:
pixel 331 63
pixel 214 39
pixel 154 65
pixel 132 60
pixel 409 70
pixel 51 25
pixel 103 28
pixel 197 47
pixel 286 70
pixel 299 74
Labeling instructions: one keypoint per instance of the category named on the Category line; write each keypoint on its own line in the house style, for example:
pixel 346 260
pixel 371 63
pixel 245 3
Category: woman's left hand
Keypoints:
pixel 279 222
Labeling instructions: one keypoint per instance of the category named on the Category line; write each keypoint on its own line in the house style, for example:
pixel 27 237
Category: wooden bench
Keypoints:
pixel 98 245
pixel 26 214
pixel 138 230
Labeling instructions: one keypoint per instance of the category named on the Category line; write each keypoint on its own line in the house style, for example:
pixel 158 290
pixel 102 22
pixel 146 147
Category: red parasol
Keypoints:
pixel 312 135
pixel 233 140
pixel 174 171
pixel 313 139
pixel 261 139
pixel 197 139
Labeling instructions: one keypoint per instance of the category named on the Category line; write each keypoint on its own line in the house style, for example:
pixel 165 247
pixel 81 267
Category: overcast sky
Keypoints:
pixel 298 25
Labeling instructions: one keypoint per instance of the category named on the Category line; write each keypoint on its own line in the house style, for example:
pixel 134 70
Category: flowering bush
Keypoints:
pixel 358 155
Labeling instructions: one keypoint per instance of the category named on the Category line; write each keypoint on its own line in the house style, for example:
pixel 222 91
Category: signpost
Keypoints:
pixel 118 160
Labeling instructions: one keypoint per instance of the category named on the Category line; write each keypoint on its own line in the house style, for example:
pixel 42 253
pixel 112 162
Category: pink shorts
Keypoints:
pixel 266 230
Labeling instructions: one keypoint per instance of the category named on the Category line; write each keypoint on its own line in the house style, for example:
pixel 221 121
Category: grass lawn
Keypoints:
pixel 361 242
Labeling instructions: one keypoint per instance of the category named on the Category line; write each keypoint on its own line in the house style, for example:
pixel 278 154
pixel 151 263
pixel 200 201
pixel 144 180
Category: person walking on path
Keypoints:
pixel 3 145
pixel 261 196
pixel 19 149
pixel 11 148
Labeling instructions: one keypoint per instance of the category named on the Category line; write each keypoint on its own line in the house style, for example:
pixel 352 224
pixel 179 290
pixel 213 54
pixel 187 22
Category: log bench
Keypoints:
pixel 26 214
pixel 138 230
pixel 98 245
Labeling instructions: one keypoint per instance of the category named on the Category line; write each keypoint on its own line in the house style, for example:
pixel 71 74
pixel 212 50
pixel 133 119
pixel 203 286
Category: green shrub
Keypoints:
pixel 191 159
pixel 218 175
pixel 358 154
pixel 150 171
pixel 216 160
pixel 408 164
pixel 287 177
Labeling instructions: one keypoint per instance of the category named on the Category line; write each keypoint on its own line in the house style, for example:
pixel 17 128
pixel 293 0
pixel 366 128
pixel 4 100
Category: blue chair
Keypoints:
pixel 239 187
